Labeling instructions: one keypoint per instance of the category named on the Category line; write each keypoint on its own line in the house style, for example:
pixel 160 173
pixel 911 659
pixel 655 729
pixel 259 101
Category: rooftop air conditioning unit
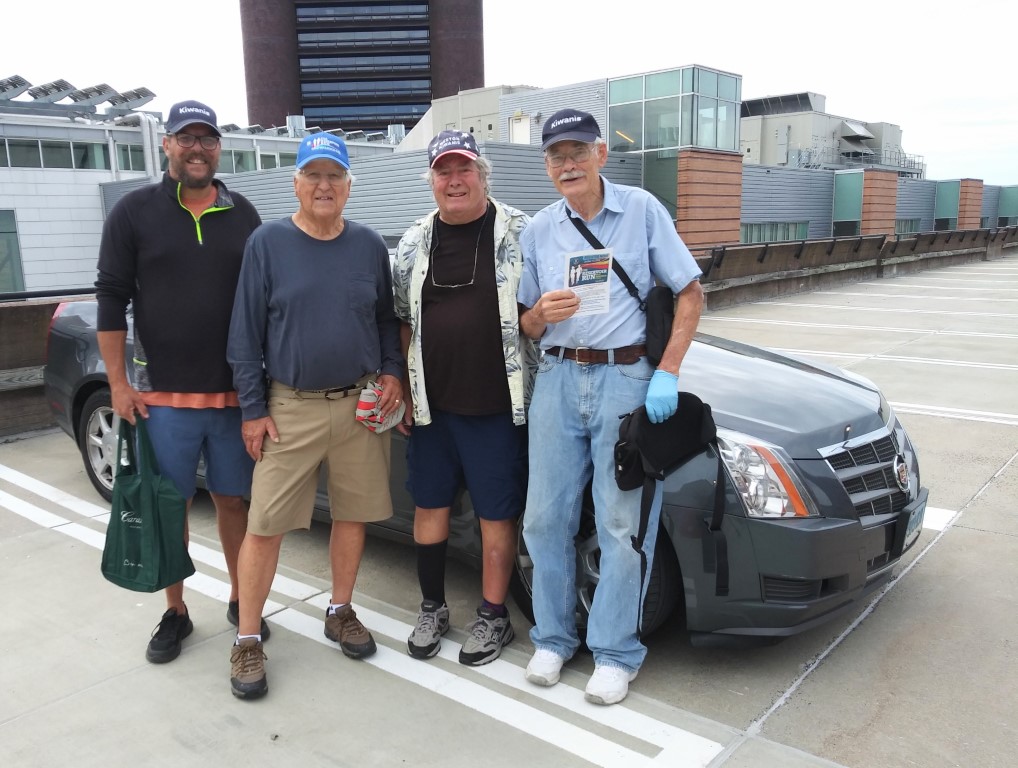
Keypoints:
pixel 295 127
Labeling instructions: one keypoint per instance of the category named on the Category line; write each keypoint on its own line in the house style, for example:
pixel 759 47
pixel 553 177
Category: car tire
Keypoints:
pixel 97 441
pixel 664 590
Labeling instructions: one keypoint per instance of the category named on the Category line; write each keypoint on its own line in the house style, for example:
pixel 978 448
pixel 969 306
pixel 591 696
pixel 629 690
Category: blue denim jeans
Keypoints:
pixel 574 424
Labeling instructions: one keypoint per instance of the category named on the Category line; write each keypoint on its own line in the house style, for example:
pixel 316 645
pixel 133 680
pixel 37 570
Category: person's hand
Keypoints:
pixel 408 416
pixel 125 400
pixel 662 396
pixel 254 432
pixel 391 394
pixel 556 306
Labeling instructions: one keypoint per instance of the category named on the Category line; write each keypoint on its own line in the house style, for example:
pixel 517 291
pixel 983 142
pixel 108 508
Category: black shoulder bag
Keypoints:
pixel 659 304
pixel 648 452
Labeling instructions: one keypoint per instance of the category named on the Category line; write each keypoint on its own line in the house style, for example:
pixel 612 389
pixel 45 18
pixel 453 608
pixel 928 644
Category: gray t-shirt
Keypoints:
pixel 311 314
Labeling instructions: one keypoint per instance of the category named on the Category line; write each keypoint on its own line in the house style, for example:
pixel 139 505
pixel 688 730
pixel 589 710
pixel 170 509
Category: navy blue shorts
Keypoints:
pixel 485 454
pixel 182 436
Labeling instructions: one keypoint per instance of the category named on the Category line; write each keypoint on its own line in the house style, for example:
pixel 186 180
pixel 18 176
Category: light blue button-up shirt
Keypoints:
pixel 643 240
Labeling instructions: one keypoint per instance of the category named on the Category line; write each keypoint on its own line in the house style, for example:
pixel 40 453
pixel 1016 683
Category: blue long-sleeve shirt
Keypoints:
pixel 311 314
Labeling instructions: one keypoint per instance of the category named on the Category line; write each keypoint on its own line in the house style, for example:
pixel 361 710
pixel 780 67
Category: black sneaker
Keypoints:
pixel 167 637
pixel 233 616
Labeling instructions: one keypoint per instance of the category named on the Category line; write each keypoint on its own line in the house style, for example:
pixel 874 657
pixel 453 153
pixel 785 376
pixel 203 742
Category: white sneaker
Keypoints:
pixel 608 685
pixel 544 667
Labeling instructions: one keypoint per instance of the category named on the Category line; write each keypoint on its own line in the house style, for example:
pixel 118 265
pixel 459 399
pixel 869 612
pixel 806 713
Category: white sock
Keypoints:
pixel 333 607
pixel 247 637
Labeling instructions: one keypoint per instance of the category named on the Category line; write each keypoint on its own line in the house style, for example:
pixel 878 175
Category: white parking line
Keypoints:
pixel 982 299
pixel 896 358
pixel 678 747
pixel 883 309
pixel 846 327
pixel 980 289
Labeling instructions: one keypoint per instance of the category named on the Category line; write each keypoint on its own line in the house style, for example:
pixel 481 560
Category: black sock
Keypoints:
pixel 498 609
pixel 431 571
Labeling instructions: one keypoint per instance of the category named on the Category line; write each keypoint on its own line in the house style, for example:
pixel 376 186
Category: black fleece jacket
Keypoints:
pixel 181 274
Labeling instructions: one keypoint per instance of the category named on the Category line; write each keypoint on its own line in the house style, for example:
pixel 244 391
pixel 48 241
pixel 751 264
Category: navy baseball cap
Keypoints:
pixel 323 146
pixel 569 125
pixel 185 113
pixel 458 142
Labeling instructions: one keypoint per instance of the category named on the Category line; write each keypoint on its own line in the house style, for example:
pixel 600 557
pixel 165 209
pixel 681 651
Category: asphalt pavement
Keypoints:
pixel 923 674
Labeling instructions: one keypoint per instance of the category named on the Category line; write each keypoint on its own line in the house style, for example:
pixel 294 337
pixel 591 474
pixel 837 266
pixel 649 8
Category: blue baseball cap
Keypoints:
pixel 323 146
pixel 185 113
pixel 570 125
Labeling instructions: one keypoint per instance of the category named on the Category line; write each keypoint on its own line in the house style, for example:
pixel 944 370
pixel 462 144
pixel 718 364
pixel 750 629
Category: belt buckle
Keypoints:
pixel 580 351
pixel 337 394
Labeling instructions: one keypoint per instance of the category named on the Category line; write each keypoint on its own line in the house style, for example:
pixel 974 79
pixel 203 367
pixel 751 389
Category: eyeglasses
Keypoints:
pixel 187 140
pixel 578 155
pixel 333 178
pixel 477 247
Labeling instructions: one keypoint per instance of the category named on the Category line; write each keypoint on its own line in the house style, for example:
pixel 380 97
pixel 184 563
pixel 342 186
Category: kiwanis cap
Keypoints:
pixel 184 113
pixel 569 125
pixel 323 146
pixel 452 141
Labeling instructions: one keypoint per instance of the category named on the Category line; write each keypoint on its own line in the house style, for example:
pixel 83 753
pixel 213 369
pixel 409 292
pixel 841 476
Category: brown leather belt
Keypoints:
pixel 621 356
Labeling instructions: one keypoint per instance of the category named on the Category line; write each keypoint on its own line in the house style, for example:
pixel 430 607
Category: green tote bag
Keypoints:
pixel 145 549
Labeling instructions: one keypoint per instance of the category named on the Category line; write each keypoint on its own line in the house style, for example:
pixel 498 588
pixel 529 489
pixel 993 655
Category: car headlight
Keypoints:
pixel 765 477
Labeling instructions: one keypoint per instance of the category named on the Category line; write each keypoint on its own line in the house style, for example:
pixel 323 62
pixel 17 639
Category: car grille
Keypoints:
pixel 867 474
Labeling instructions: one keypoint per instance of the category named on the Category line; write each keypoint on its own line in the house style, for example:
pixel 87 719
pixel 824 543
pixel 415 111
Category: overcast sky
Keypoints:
pixel 946 78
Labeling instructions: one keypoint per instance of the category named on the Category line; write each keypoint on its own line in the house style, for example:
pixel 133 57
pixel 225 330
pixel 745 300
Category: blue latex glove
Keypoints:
pixel 662 396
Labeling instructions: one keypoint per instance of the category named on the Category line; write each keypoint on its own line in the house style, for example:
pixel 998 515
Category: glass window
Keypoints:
pixel 706 122
pixel 92 156
pixel 11 276
pixel 728 87
pixel 123 157
pixel 686 140
pixel 226 161
pixel 687 80
pixel 846 229
pixel 773 231
pixel 627 89
pixel 728 118
pixel 625 131
pixel 906 226
pixel 3 153
pixel 661 177
pixel 663 84
pixel 269 161
pixel 287 159
pixel 661 128
pixel 56 154
pixel 163 162
pixel 24 153
pixel 137 157
pixel 945 224
pixel 708 85
pixel 243 160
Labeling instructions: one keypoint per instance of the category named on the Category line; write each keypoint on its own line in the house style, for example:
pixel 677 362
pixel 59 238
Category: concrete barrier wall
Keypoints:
pixel 732 275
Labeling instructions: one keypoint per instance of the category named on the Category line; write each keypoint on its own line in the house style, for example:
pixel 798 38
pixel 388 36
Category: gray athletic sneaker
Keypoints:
pixel 432 623
pixel 489 634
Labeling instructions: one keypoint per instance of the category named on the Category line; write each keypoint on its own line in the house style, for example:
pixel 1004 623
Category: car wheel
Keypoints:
pixel 664 589
pixel 97 439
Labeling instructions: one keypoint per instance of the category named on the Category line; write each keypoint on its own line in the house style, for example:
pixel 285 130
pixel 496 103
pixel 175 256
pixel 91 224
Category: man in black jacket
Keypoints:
pixel 173 250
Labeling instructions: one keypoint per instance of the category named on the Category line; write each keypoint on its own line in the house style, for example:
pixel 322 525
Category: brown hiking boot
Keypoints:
pixel 247 669
pixel 345 628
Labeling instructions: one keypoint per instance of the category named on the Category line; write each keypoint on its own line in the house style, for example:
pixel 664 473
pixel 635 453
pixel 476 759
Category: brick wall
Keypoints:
pixel 879 202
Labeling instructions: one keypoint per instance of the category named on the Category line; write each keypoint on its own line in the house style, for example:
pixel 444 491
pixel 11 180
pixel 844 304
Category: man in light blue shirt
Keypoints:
pixel 594 370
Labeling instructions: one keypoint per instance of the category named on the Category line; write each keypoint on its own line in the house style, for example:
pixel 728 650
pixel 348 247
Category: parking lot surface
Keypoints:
pixel 923 674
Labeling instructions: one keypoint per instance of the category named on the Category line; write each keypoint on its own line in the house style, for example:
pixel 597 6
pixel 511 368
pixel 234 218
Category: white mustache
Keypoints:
pixel 568 175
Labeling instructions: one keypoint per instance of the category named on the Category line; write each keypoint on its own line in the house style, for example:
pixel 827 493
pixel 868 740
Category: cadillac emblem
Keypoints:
pixel 901 472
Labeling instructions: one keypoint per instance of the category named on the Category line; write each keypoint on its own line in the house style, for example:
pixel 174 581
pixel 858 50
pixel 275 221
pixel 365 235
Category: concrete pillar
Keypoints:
pixel 271 69
pixel 879 202
pixel 709 207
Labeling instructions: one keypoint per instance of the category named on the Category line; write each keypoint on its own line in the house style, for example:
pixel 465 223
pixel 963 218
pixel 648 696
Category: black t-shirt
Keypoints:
pixel 461 333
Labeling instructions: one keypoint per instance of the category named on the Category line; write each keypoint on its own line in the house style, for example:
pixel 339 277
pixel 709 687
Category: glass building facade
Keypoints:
pixel 656 113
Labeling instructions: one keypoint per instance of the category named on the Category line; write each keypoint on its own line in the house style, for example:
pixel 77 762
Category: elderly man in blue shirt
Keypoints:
pixel 594 369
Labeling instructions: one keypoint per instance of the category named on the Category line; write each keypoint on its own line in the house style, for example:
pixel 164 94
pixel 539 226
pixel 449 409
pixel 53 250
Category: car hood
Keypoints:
pixel 797 405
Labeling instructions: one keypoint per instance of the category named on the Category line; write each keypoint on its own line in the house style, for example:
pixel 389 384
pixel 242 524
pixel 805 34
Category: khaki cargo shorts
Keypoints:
pixel 314 429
